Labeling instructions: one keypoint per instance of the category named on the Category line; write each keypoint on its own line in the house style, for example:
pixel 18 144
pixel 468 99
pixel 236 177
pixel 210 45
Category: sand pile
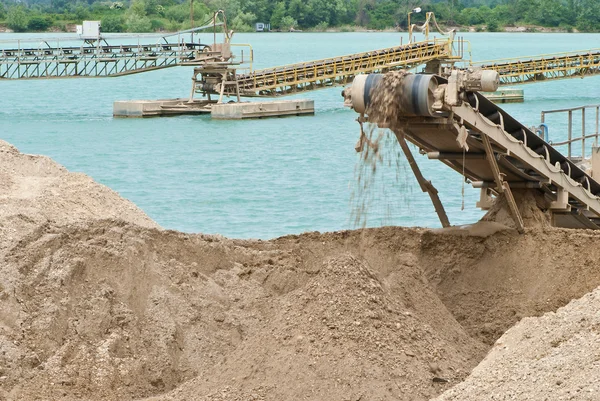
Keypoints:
pixel 490 283
pixel 345 332
pixel 108 310
pixel 34 190
pixel 554 357
pixel 96 302
pixel 533 208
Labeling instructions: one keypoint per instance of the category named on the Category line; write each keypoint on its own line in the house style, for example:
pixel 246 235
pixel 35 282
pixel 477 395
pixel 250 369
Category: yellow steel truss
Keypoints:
pixel 545 67
pixel 341 70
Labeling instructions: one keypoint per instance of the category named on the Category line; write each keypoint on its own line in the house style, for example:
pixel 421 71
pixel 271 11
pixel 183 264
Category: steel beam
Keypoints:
pixel 547 172
pixel 426 186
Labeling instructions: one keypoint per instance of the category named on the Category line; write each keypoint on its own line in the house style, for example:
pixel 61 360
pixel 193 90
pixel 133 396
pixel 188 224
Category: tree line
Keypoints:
pixel 174 15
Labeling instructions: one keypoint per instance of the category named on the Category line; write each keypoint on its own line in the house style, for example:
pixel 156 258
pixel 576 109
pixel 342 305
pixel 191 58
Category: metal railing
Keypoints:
pixel 341 70
pixel 66 57
pixel 545 67
pixel 570 139
pixel 245 58
pixel 91 60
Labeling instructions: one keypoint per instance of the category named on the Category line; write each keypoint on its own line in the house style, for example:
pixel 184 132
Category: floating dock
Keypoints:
pixel 221 111
pixel 506 96
pixel 159 108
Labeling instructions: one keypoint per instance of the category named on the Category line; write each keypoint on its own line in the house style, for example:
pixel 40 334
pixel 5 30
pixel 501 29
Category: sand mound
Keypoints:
pixel 532 206
pixel 99 308
pixel 490 283
pixel 553 357
pixel 109 310
pixel 346 333
pixel 105 310
pixel 34 190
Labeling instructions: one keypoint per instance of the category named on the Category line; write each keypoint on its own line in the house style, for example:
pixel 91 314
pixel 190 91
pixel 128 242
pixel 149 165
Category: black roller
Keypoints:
pixel 371 83
pixel 415 94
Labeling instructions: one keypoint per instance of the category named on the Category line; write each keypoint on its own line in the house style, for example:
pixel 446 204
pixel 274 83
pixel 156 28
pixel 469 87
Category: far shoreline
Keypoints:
pixel 347 28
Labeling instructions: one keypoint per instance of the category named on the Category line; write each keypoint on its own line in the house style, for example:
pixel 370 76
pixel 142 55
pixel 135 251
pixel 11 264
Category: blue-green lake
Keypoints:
pixel 257 178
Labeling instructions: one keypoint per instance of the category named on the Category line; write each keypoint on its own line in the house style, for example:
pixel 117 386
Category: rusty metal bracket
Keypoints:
pixel 501 185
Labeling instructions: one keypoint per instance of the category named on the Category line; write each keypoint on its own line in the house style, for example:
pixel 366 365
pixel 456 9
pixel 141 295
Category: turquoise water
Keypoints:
pixel 260 178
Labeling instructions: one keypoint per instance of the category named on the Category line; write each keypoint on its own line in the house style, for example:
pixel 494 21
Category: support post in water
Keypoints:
pixel 426 186
pixel 501 185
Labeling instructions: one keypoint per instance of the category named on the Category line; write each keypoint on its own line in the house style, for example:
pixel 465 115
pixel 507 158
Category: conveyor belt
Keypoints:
pixel 523 70
pixel 523 159
pixel 92 60
pixel 542 148
pixel 339 71
pixel 103 60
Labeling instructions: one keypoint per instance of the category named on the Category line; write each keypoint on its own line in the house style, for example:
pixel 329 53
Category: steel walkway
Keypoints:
pixel 52 59
pixel 339 71
pixel 47 60
pixel 514 71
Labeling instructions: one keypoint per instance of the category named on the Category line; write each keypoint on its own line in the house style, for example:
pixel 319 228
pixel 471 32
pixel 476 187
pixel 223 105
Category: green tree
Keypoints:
pixel 166 3
pixel 362 14
pixel 321 27
pixel 137 24
pixel 504 15
pixel 157 25
pixel 138 7
pixel 383 16
pixel 243 22
pixel 278 14
pixel 151 7
pixel 589 16
pixel 81 13
pixel 136 20
pixel 339 12
pixel 472 16
pixel 231 7
pixel 261 8
pixel 378 14
pixel 453 6
pixel 58 6
pixel 16 19
pixel 493 25
pixel 554 12
pixel 571 12
pixel 297 10
pixel 39 23
pixel 288 23
pixel 179 13
pixel 113 23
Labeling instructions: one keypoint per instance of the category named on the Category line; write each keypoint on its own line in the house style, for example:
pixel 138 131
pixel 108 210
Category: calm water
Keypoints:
pixel 260 178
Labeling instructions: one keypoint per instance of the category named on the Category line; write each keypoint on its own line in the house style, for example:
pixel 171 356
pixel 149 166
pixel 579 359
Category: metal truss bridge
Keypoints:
pixel 53 59
pixel 514 71
pixel 339 71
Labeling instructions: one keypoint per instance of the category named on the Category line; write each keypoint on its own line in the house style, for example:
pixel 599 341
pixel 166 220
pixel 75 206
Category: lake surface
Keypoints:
pixel 259 178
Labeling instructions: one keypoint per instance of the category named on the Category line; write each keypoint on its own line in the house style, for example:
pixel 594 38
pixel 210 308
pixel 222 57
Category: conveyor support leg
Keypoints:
pixel 501 185
pixel 426 186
